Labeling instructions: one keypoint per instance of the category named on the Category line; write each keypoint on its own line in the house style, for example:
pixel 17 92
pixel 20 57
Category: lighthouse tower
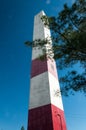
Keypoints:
pixel 45 105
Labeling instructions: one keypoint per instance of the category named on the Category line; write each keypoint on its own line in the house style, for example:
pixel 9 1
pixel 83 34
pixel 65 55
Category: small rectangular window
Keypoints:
pixel 52 67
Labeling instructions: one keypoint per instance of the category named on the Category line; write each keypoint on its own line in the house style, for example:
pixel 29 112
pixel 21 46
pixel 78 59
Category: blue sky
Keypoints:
pixel 16 26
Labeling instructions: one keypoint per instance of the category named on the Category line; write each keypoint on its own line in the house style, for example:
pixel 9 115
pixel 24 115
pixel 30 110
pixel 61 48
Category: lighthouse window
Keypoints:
pixel 52 67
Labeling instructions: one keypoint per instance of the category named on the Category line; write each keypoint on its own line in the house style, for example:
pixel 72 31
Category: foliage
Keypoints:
pixel 73 82
pixel 22 128
pixel 69 43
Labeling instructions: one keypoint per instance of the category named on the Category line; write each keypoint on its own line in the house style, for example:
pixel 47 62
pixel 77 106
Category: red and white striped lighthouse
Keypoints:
pixel 45 105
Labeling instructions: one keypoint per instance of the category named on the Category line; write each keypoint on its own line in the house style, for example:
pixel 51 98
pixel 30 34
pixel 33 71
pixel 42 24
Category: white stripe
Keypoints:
pixel 39 91
pixel 55 94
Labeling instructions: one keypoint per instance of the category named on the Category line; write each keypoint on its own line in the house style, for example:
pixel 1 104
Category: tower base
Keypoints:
pixel 47 117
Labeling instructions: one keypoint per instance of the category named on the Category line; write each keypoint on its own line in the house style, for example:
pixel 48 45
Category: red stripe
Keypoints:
pixel 38 67
pixel 58 119
pixel 52 67
pixel 47 117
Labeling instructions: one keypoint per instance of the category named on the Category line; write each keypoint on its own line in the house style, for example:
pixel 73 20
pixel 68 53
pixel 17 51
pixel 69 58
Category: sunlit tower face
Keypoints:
pixel 45 104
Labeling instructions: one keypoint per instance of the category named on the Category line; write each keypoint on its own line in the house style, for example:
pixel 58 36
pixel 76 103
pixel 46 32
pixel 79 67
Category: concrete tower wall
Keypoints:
pixel 45 107
pixel 38 33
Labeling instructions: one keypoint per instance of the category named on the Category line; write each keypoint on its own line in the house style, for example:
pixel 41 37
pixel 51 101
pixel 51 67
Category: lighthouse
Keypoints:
pixel 45 104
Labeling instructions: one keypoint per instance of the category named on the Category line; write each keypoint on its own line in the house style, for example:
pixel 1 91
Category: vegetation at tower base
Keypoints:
pixel 22 128
pixel 69 44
